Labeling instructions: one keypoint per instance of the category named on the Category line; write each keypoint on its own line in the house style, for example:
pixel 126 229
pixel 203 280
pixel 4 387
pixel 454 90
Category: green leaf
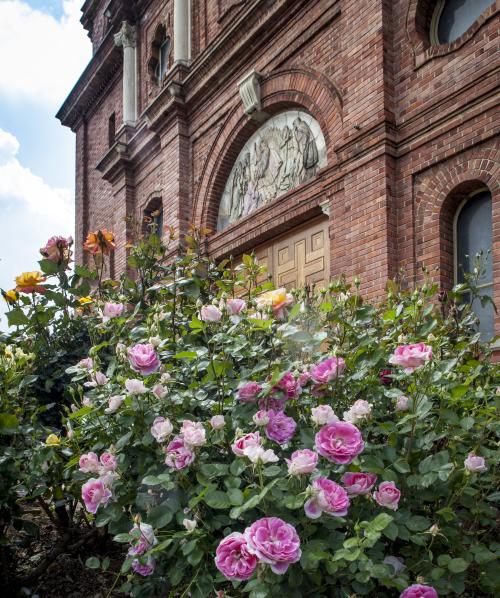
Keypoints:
pixel 160 516
pixel 93 562
pixel 235 496
pixel 151 480
pixel 48 267
pixel 458 565
pixel 217 499
pixel 8 423
pixel 16 317
pixel 124 440
pixel 417 523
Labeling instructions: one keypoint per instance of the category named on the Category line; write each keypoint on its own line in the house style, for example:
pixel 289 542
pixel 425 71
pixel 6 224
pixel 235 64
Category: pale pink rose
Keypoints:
pixel 96 379
pixel 210 313
pixel 240 444
pixel 178 454
pixel 85 364
pixel 135 387
pixel 358 483
pixel 161 429
pixel 143 359
pixel 89 463
pixel 165 378
pixel 144 542
pixel 339 442
pixel 233 559
pixel 114 403
pixel 86 402
pixel 257 454
pixel 57 249
pixel 95 493
pixel 193 433
pixel 155 341
pixel 475 464
pixel 261 418
pixel 217 422
pixel 108 461
pixel 159 391
pixel 327 370
pixel 302 462
pixel 387 495
pixel 274 542
pixel 288 385
pixel 249 391
pixel 235 306
pixel 144 569
pixel 111 310
pixel 304 378
pixel 411 357
pixel 402 403
pixel 417 590
pixel 326 497
pixel 280 428
pixel 323 414
pixel 360 410
pixel 189 524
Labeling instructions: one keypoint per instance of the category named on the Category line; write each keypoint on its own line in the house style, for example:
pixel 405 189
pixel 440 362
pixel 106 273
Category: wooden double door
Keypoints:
pixel 298 258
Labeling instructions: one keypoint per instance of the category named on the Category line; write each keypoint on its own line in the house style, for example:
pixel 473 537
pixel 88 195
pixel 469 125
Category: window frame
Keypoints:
pixel 434 26
pixel 159 75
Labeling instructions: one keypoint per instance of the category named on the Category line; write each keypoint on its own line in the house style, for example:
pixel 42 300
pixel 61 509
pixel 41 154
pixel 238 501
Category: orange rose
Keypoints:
pixel 101 241
pixel 29 282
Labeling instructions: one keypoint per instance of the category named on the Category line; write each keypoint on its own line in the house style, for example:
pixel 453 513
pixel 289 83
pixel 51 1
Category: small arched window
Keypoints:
pixel 163 58
pixel 153 218
pixel 473 245
pixel 452 18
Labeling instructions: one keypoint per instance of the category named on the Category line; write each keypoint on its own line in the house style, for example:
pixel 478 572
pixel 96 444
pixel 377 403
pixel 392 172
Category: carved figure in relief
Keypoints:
pixel 287 151
pixel 307 157
pixel 239 188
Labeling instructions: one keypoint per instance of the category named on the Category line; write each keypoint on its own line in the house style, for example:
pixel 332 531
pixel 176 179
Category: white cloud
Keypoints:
pixel 40 55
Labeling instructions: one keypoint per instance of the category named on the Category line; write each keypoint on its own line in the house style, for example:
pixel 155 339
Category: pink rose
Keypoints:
pixel 96 379
pixel 95 493
pixel 217 422
pixel 57 249
pixel 387 495
pixel 114 403
pixel 240 444
pixel 288 385
pixel 135 387
pixel 233 559
pixel 339 442
pixel 85 364
pixel 474 463
pixel 358 483
pixel 89 463
pixel 302 461
pixel 360 410
pixel 261 418
pixel 159 391
pixel 280 428
pixel 417 590
pixel 327 497
pixel 161 429
pixel 111 310
pixel 327 370
pixel 385 377
pixel 143 359
pixel 272 404
pixel 411 357
pixel 257 454
pixel 145 541
pixel 235 306
pixel 210 313
pixel 402 403
pixel 249 391
pixel 144 569
pixel 108 461
pixel 274 542
pixel 323 414
pixel 304 378
pixel 193 433
pixel 178 454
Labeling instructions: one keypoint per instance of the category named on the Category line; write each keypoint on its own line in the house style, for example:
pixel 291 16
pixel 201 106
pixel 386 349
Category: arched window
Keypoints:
pixel 152 221
pixel 163 57
pixel 452 18
pixel 160 57
pixel 473 245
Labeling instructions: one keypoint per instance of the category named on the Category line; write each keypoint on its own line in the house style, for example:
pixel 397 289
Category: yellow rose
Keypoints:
pixel 85 300
pixel 10 296
pixel 100 241
pixel 52 440
pixel 29 282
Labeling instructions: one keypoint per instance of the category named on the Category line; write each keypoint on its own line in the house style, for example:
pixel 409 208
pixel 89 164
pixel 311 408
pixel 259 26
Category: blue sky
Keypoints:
pixel 43 50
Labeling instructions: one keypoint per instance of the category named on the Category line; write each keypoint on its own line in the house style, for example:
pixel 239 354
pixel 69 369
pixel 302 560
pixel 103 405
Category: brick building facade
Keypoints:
pixel 410 126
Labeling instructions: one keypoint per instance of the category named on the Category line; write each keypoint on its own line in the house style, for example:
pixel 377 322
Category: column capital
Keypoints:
pixel 127 36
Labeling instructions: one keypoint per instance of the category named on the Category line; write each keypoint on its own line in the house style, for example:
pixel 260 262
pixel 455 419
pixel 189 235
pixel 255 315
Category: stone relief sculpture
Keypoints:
pixel 287 150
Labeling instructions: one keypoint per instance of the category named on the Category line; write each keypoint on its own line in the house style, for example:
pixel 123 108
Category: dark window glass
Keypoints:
pixel 163 60
pixel 474 237
pixel 111 129
pixel 457 16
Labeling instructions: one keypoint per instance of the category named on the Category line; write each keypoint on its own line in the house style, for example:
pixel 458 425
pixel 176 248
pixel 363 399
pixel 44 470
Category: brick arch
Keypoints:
pixel 292 88
pixel 437 198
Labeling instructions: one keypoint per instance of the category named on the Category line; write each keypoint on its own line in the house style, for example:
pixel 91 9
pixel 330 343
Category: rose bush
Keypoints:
pixel 305 444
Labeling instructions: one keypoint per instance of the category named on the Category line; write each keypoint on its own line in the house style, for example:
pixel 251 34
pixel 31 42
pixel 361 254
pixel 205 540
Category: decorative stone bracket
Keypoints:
pixel 249 88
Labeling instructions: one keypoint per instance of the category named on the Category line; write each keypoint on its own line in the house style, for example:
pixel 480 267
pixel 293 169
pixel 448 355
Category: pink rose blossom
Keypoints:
pixel 302 462
pixel 274 542
pixel 178 454
pixel 57 249
pixel 86 402
pixel 233 559
pixel 304 378
pixel 85 364
pixel 249 391
pixel 114 403
pixel 240 444
pixel 280 428
pixel 327 370
pixel 89 463
pixel 193 433
pixel 358 483
pixel 111 310
pixel 261 418
pixel 272 404
pixel 287 385
pixel 411 357
pixel 143 359
pixel 387 495
pixel 327 497
pixel 358 411
pixel 475 464
pixel 323 414
pixel 95 493
pixel 96 379
pixel 135 387
pixel 143 543
pixel 108 461
pixel 257 454
pixel 210 313
pixel 159 391
pixel 217 422
pixel 339 442
pixel 144 569
pixel 402 403
pixel 235 306
pixel 417 590
pixel 161 429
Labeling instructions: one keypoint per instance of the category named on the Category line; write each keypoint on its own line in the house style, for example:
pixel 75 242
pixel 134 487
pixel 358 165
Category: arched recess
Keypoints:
pixel 152 215
pixel 293 88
